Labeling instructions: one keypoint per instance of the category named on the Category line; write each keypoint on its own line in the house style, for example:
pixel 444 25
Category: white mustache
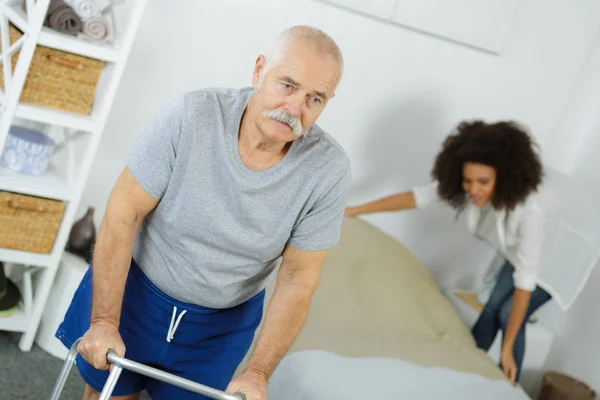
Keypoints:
pixel 282 116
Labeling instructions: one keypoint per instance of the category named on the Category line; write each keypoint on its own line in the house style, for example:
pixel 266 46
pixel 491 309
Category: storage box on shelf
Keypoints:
pixel 68 85
pixel 29 223
pixel 58 79
pixel 68 78
pixel 61 87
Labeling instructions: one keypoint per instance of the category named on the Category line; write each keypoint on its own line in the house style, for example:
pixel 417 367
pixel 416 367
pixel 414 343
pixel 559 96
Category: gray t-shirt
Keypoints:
pixel 220 228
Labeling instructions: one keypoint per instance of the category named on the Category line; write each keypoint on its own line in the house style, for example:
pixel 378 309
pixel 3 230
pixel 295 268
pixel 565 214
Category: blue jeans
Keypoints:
pixel 497 311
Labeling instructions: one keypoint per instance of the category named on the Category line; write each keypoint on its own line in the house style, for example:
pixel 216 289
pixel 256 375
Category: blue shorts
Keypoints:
pixel 206 346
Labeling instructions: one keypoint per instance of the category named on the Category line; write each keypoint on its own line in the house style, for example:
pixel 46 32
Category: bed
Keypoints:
pixel 377 314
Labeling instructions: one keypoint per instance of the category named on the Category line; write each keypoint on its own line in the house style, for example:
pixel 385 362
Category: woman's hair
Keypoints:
pixel 505 146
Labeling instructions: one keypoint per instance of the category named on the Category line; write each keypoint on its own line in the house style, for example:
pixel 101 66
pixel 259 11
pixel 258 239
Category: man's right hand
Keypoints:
pixel 97 341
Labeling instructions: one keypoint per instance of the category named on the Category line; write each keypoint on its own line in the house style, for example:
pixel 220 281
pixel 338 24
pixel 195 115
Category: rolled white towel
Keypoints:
pixel 88 8
pixel 96 28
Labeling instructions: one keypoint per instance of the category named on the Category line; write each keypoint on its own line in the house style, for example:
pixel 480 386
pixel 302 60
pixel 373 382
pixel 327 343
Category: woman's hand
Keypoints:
pixel 350 212
pixel 507 361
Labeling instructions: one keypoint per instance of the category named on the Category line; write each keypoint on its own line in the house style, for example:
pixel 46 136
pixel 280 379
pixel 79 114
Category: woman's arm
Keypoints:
pixel 397 202
pixel 419 197
pixel 530 236
pixel 518 312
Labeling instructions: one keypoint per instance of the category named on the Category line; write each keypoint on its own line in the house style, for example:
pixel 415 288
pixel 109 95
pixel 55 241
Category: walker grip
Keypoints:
pixel 120 363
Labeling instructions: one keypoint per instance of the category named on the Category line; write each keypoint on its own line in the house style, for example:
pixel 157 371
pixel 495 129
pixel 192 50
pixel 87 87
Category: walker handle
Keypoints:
pixel 120 363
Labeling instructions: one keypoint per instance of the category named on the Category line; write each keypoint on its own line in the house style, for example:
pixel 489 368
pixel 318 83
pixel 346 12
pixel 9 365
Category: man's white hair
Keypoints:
pixel 318 40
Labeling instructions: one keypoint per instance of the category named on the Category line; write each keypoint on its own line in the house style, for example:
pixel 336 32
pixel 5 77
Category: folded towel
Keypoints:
pixel 88 8
pixel 96 28
pixel 62 18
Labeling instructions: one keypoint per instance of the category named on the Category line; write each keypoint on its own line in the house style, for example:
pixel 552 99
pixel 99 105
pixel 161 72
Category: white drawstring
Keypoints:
pixel 173 328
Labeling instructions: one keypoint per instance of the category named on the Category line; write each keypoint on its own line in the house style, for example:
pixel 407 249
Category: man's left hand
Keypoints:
pixel 250 383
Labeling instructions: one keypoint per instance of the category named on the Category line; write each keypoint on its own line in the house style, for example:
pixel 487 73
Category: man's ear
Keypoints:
pixel 259 67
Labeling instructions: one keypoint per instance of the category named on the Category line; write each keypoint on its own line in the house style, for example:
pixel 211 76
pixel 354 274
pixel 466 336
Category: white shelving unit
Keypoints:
pixel 79 137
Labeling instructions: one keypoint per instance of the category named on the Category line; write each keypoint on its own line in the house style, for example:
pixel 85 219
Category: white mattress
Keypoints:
pixel 320 375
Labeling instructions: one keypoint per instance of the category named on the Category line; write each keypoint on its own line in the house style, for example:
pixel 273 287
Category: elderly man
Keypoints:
pixel 223 185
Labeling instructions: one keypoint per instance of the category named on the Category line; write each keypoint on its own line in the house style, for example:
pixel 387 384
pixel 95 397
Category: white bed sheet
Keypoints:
pixel 323 375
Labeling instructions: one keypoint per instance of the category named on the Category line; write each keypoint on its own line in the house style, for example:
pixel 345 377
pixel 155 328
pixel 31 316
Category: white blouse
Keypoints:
pixel 550 242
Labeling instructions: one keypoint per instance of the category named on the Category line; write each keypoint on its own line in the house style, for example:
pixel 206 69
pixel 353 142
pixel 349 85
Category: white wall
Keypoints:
pixel 402 93
pixel 574 146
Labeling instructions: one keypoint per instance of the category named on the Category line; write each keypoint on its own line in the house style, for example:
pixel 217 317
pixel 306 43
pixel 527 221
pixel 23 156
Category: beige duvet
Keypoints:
pixel 376 299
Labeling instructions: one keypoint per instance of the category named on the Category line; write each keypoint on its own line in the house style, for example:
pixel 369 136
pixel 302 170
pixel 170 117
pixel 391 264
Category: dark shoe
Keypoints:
pixel 9 294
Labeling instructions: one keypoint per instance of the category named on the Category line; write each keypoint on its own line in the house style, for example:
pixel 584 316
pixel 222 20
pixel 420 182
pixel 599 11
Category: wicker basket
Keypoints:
pixel 58 79
pixel 29 223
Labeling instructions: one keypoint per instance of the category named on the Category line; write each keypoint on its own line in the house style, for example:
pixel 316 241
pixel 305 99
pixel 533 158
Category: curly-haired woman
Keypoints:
pixel 494 174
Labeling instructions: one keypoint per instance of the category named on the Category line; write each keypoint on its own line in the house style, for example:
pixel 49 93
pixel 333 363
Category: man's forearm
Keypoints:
pixel 112 257
pixel 284 319
pixel 518 311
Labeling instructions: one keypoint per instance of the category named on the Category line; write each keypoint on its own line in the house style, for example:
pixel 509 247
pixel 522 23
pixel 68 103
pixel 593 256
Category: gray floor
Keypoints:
pixel 31 375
